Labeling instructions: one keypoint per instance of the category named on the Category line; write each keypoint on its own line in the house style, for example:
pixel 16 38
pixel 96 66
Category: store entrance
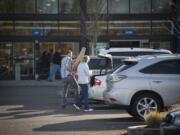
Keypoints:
pixel 6 71
pixel 26 57
pixel 23 60
pixel 46 49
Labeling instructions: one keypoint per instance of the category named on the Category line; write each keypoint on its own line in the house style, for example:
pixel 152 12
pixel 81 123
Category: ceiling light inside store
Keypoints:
pixel 53 0
pixel 48 4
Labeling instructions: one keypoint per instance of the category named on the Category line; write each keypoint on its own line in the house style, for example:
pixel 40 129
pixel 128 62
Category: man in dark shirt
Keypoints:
pixel 56 65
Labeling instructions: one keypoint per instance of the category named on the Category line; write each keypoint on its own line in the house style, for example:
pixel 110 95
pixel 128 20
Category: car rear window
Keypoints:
pixel 126 65
pixel 117 62
pixel 96 63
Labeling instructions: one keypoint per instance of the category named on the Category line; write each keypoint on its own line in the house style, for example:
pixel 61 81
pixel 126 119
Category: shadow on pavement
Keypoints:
pixel 28 102
pixel 88 125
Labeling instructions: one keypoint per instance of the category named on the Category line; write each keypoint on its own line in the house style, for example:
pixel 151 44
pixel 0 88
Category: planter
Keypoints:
pixel 143 130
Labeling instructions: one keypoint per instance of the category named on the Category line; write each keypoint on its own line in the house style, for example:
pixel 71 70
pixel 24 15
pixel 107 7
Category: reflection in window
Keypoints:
pixel 38 28
pixel 96 6
pixel 50 28
pixel 6 6
pixel 159 6
pixel 23 55
pixel 162 45
pixel 96 27
pixel 69 6
pixel 5 62
pixel 24 6
pixel 129 27
pixel 47 6
pixel 140 6
pixel 162 27
pixel 6 28
pixel 118 6
pixel 69 28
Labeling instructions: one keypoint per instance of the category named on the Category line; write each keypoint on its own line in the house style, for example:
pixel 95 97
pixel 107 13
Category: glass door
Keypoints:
pixel 23 60
pixel 6 70
pixel 43 57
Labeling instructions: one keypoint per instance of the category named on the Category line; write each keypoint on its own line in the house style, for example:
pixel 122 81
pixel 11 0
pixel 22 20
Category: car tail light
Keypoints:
pixel 97 82
pixel 117 78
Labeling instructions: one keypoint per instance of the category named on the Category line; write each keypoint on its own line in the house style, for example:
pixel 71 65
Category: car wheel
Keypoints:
pixel 144 104
pixel 130 112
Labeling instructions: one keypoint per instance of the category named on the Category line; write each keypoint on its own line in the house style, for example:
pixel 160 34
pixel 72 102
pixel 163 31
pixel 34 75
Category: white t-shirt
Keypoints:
pixel 83 73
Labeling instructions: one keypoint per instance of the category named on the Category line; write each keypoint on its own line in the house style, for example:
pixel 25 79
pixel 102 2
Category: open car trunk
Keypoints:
pixel 105 65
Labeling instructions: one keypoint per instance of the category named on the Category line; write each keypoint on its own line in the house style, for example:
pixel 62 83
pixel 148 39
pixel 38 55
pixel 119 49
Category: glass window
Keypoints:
pixel 69 28
pixel 117 62
pixel 47 6
pixel 129 27
pixel 24 6
pixel 97 28
pixel 162 45
pixel 162 28
pixel 24 59
pixel 96 63
pixel 118 6
pixel 140 6
pixel 126 65
pixel 96 6
pixel 160 6
pixel 5 61
pixel 165 67
pixel 6 6
pixel 38 28
pixel 6 28
pixel 50 28
pixel 69 6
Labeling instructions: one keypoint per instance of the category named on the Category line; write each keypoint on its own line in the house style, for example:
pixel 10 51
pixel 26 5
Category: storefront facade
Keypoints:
pixel 27 28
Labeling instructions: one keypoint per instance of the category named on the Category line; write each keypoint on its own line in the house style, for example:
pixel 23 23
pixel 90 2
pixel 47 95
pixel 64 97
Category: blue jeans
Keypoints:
pixel 53 69
pixel 83 96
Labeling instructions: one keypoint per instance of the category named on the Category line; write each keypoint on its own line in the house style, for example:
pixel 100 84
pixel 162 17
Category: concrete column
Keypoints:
pixel 17 72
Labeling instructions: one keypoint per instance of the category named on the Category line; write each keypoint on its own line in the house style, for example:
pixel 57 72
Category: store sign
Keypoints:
pixel 37 32
pixel 129 32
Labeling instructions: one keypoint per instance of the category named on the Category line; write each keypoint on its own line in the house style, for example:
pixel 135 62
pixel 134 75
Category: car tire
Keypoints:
pixel 130 112
pixel 144 103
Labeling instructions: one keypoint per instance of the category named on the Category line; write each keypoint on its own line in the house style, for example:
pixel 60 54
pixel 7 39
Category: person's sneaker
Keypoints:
pixel 89 110
pixel 76 107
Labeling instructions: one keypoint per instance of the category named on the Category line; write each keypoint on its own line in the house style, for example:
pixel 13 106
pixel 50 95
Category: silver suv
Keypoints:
pixel 145 84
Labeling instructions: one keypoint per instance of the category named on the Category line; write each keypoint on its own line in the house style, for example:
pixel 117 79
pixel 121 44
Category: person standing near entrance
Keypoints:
pixel 68 77
pixel 84 74
pixel 44 65
pixel 56 65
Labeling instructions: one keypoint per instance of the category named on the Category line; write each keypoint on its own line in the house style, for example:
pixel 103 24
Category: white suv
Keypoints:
pixel 145 84
pixel 133 52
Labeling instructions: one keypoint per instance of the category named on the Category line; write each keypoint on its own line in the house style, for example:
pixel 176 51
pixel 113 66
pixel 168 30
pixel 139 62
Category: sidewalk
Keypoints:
pixel 13 83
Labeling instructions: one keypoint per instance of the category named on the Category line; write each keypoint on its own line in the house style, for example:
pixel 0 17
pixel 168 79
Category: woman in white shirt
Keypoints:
pixel 84 74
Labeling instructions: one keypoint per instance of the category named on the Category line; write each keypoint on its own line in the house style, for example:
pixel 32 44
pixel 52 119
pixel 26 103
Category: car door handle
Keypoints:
pixel 157 81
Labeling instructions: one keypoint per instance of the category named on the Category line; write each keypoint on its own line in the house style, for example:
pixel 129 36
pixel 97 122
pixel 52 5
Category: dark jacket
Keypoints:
pixel 57 58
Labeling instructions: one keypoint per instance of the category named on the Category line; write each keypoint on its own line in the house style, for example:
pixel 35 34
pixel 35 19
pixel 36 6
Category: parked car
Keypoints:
pixel 172 124
pixel 145 84
pixel 99 85
pixel 133 52
pixel 101 66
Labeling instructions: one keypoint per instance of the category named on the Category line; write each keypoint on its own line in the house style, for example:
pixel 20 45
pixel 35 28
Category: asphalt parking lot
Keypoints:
pixel 36 110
